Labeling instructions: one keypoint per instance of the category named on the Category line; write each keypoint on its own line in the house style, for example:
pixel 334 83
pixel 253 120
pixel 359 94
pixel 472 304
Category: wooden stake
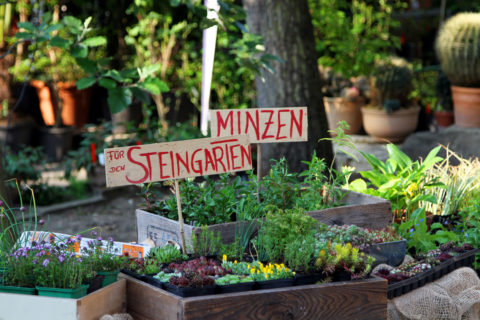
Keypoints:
pixel 180 216
pixel 259 169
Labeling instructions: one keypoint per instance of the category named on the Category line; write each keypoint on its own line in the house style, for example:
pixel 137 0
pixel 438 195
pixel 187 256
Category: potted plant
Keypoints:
pixel 458 50
pixel 444 107
pixel 351 35
pixel 391 115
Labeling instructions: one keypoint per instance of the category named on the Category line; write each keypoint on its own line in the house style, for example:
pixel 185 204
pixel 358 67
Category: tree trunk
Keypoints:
pixel 287 30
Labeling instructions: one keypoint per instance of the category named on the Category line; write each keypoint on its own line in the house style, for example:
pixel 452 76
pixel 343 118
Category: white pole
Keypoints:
pixel 209 39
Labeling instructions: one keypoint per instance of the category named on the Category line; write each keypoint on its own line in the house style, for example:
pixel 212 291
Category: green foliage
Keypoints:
pixel 399 179
pixel 352 35
pixel 458 49
pixel 419 238
pixel 166 254
pixel 300 253
pixel 206 242
pixel 282 227
pixel 25 164
pixel 280 187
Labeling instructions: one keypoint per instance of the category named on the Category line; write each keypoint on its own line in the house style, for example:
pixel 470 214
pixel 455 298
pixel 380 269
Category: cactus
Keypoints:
pixel 392 83
pixel 458 49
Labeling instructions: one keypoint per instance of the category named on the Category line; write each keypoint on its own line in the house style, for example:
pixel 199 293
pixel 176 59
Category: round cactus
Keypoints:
pixel 392 84
pixel 458 49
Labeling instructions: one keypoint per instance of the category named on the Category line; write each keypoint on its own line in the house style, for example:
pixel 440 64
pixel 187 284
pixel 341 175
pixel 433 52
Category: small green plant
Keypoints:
pixel 166 254
pixel 26 164
pixel 419 237
pixel 400 180
pixel 300 254
pixel 232 279
pixel 102 255
pixel 282 227
pixel 280 187
pixel 206 242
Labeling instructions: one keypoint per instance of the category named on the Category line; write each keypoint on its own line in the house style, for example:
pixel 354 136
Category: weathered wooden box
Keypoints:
pixel 108 300
pixel 361 299
pixel 359 209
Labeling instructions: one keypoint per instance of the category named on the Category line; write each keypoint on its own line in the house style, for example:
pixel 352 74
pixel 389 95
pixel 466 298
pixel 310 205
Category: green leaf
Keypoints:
pixel 154 85
pixel 119 98
pixel 149 70
pixel 358 185
pixel 85 83
pixel 53 27
pixel 175 3
pixel 87 21
pixel 95 41
pixel 399 156
pixel 24 35
pixel 74 25
pixel 107 83
pixel 59 42
pixel 114 74
pixel 140 94
pixel 79 51
pixel 87 65
pixel 26 25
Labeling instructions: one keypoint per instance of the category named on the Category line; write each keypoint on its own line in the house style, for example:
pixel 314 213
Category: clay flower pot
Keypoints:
pixel 390 127
pixel 444 118
pixel 466 106
pixel 338 109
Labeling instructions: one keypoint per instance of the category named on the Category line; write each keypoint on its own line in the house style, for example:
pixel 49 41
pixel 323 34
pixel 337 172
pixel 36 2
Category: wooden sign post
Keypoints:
pixel 262 125
pixel 176 160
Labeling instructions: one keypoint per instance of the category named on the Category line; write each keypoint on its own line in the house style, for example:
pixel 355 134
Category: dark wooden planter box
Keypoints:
pixel 359 209
pixel 361 299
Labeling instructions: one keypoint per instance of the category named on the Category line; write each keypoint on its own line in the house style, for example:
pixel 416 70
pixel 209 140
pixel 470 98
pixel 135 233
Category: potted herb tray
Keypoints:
pixel 107 300
pixel 360 299
pixel 359 209
pixel 186 292
pixel 465 259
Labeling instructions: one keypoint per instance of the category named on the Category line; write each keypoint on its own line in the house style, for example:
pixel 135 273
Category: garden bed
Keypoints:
pixel 108 300
pixel 361 299
pixel 359 209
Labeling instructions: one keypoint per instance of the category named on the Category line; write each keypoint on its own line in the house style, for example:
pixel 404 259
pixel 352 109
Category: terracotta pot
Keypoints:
pixel 390 127
pixel 338 109
pixel 45 98
pixel 444 118
pixel 466 106
pixel 75 104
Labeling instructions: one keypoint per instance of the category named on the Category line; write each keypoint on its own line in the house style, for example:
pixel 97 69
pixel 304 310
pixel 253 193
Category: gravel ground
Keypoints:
pixel 113 217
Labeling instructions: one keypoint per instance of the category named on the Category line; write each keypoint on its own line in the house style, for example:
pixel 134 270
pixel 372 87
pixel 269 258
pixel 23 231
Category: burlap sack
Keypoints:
pixel 454 296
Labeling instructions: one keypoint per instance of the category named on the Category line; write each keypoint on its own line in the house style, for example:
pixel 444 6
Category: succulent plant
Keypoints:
pixel 458 49
pixel 392 84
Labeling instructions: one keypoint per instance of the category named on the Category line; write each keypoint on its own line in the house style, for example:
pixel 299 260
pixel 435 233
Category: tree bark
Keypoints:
pixel 287 30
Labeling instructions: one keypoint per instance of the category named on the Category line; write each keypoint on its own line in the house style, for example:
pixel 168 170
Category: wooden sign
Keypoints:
pixel 176 160
pixel 262 125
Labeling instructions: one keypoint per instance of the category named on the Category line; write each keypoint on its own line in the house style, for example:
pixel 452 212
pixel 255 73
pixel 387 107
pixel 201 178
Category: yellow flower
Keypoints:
pixel 412 189
pixel 224 257
pixel 235 262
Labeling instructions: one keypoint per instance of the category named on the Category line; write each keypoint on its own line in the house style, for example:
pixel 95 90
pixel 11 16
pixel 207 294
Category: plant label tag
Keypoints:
pixel 176 160
pixel 262 125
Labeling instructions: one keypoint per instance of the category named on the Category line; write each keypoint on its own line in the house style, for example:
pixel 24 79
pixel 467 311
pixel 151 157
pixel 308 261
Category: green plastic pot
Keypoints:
pixel 109 277
pixel 18 290
pixel 63 293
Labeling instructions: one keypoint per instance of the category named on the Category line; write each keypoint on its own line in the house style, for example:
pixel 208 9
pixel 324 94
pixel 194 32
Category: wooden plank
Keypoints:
pixel 361 210
pixel 146 302
pixel 104 301
pixel 161 230
pixel 108 300
pixel 364 299
pixel 262 125
pixel 176 160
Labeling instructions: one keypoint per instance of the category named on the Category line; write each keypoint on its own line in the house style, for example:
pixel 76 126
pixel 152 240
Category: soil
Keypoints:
pixel 114 217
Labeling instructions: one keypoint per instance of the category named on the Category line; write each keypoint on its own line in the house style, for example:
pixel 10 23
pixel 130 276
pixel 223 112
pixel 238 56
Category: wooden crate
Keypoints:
pixel 361 299
pixel 108 300
pixel 359 209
